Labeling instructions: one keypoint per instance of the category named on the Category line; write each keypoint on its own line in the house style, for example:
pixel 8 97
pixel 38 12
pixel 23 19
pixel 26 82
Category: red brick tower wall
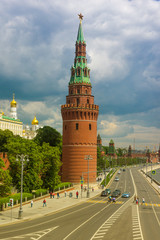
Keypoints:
pixel 80 116
pixel 4 157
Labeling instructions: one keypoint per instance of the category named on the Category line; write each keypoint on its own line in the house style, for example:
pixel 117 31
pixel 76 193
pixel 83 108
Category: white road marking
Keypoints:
pixel 34 235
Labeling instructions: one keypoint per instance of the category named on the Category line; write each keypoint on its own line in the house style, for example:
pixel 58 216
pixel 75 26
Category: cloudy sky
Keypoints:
pixel 37 45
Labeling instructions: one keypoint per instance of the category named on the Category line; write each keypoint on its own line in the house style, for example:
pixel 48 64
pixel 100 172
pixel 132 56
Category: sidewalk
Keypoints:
pixel 53 205
pixel 153 184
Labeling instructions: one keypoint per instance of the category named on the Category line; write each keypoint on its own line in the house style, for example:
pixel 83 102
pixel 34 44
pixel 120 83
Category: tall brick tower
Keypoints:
pixel 80 116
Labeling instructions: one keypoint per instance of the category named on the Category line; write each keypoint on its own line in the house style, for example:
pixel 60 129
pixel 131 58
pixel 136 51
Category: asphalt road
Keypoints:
pixel 150 212
pixel 95 219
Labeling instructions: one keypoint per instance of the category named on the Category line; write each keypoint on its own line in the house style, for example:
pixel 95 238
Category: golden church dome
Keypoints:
pixel 35 121
pixel 13 103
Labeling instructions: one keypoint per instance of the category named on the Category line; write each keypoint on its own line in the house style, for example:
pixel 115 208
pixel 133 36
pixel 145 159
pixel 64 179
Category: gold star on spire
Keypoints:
pixel 80 17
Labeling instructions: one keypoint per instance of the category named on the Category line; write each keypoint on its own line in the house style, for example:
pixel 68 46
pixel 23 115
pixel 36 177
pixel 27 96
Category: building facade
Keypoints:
pixel 11 122
pixel 79 116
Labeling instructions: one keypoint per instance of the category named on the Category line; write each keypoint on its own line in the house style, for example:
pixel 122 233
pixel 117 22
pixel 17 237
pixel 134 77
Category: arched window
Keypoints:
pixel 78 71
pixel 86 92
pixel 85 72
pixel 87 101
pixel 77 101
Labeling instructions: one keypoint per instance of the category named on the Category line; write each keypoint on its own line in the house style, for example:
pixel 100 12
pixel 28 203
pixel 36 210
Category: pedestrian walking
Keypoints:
pixel 143 200
pixel 53 194
pixel 135 198
pixel 44 203
pixel 50 194
pixel 58 195
pixel 92 189
pixel 137 201
pixel 77 193
pixel 31 203
pixel 65 194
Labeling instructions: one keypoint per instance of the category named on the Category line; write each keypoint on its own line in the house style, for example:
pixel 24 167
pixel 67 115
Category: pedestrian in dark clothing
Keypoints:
pixel 77 194
pixel 44 203
pixel 57 195
pixel 50 194
pixel 53 194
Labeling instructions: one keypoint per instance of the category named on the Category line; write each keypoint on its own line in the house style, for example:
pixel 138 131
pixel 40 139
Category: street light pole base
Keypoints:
pixel 20 213
pixel 88 194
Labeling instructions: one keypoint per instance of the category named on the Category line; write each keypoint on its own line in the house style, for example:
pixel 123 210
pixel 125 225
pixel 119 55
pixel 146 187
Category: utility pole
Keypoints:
pixel 22 158
pixel 88 157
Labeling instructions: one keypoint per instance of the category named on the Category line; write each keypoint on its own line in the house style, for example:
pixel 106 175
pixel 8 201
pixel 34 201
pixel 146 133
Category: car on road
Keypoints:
pixel 114 194
pixel 125 195
pixel 104 194
pixel 118 191
pixel 108 190
pixel 116 179
pixel 119 172
pixel 124 169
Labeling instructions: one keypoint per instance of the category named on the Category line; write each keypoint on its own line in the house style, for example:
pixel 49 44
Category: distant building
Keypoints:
pixel 111 151
pixel 99 141
pixel 130 151
pixel 13 124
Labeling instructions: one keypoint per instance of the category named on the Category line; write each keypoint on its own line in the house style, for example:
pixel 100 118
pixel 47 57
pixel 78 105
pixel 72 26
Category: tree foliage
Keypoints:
pixel 44 160
pixel 48 135
pixel 5 180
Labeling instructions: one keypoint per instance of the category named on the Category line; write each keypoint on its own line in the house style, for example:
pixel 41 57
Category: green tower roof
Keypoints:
pixel 80 37
pixel 80 73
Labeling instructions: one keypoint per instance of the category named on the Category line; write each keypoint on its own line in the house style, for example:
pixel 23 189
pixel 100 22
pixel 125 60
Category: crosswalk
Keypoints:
pixel 100 201
pixel 121 202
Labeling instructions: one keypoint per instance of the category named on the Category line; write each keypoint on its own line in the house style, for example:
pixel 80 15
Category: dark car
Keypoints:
pixel 108 190
pixel 104 194
pixel 115 194
pixel 124 169
pixel 118 191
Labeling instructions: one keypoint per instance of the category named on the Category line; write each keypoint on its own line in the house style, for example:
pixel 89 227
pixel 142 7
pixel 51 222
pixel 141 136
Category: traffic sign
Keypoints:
pixel 82 181
pixel 11 202
pixel 153 172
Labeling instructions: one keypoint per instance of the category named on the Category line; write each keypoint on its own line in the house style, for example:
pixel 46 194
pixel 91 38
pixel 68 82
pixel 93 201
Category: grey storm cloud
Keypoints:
pixel 37 44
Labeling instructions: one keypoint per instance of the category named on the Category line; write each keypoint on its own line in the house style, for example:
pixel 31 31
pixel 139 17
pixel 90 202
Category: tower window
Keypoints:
pixel 71 91
pixel 77 101
pixel 78 72
pixel 77 125
pixel 78 91
pixel 90 127
pixel 87 101
pixel 86 91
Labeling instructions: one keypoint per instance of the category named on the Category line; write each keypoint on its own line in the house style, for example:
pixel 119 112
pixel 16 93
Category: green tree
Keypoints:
pixel 51 166
pixel 32 169
pixel 5 180
pixel 48 135
pixel 4 137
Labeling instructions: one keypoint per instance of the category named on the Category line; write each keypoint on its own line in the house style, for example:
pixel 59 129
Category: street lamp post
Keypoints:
pixel 88 157
pixel 151 172
pixel 146 167
pixel 22 158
